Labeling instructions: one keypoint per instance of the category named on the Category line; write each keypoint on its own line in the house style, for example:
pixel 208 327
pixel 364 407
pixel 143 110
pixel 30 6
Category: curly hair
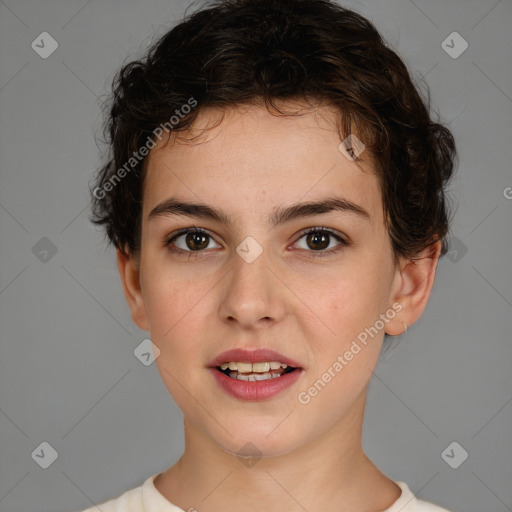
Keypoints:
pixel 234 52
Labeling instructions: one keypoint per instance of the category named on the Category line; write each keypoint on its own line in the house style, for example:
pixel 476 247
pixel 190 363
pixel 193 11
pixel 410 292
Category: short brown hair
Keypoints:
pixel 234 52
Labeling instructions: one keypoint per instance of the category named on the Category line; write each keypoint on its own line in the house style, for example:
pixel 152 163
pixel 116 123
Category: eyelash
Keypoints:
pixel 315 254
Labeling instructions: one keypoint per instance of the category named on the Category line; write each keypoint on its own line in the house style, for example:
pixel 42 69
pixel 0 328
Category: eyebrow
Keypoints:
pixel 172 206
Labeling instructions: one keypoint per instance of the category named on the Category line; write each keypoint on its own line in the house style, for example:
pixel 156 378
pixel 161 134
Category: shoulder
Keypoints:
pixel 409 503
pixel 130 501
pixel 424 506
pixel 145 498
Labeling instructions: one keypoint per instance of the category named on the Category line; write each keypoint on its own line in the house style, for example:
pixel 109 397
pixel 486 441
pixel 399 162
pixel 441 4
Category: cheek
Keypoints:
pixel 168 296
pixel 177 316
pixel 350 308
pixel 344 359
pixel 351 301
pixel 177 323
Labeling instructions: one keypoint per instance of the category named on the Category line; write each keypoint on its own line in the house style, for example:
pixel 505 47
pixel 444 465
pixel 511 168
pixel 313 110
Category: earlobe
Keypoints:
pixel 416 278
pixel 128 266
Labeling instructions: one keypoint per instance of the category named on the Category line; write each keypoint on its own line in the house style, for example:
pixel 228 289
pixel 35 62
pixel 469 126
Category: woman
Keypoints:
pixel 276 199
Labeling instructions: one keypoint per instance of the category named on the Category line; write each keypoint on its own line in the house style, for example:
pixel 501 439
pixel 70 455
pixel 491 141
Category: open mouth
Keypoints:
pixel 256 371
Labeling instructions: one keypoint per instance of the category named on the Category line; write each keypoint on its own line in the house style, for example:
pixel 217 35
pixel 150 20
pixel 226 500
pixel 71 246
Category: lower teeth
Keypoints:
pixel 254 377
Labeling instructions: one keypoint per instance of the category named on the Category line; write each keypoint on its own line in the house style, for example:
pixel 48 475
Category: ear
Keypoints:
pixel 128 265
pixel 414 281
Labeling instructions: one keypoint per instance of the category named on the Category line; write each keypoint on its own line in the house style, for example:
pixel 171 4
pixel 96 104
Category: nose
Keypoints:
pixel 253 295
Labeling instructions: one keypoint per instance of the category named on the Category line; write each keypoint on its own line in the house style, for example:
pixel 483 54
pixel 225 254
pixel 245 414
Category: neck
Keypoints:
pixel 331 469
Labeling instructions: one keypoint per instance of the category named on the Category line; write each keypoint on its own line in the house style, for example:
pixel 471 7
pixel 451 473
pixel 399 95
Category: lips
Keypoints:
pixel 252 356
pixel 266 385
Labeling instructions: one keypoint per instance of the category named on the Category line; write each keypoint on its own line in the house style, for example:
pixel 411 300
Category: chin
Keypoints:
pixel 255 449
pixel 256 443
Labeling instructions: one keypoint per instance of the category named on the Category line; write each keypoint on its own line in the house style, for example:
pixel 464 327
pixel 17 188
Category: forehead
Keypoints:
pixel 246 159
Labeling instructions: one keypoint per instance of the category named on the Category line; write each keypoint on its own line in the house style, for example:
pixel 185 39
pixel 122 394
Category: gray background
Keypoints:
pixel 68 374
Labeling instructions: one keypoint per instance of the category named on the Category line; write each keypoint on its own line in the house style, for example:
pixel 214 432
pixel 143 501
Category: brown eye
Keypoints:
pixel 190 240
pixel 196 241
pixel 317 240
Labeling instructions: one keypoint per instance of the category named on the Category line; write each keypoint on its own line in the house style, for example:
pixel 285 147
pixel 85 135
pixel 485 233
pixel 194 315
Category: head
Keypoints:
pixel 248 110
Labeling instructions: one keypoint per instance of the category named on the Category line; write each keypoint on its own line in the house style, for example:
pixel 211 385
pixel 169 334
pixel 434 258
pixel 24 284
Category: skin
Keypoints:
pixel 308 308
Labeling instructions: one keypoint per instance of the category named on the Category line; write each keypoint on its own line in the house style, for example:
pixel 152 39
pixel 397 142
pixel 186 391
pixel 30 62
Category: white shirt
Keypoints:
pixel 147 498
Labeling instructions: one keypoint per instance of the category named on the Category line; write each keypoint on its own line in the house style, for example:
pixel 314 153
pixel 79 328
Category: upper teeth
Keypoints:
pixel 252 367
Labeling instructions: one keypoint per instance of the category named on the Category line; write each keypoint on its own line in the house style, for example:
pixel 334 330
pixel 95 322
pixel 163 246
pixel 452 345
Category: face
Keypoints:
pixel 256 279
